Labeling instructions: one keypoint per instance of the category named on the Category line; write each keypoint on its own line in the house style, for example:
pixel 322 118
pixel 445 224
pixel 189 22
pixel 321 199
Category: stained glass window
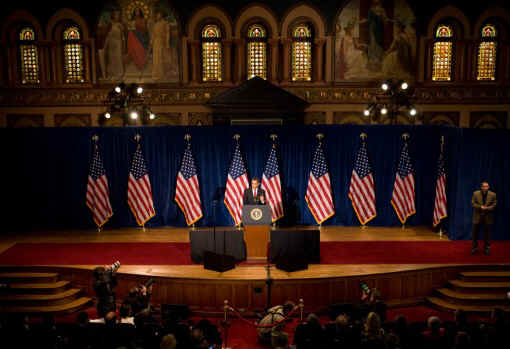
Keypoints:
pixel 73 56
pixel 486 67
pixel 302 53
pixel 443 54
pixel 257 51
pixel 29 57
pixel 211 53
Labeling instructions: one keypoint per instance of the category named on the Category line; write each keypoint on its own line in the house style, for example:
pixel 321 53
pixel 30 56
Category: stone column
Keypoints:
pixel 185 66
pixel 329 61
pixel 329 117
pixel 273 62
pixel 195 61
pixel 227 44
pixel 184 118
pixel 49 119
pixel 317 59
pixel 286 60
pixel 240 59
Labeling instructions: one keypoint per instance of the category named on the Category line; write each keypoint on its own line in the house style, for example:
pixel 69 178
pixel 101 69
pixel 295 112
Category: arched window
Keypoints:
pixel 257 51
pixel 443 54
pixel 29 57
pixel 73 55
pixel 302 53
pixel 486 67
pixel 212 61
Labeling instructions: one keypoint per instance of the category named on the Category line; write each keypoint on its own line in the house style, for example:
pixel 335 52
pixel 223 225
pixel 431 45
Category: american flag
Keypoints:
pixel 402 198
pixel 187 191
pixel 272 185
pixel 440 201
pixel 318 193
pixel 139 189
pixel 237 182
pixel 361 189
pixel 98 195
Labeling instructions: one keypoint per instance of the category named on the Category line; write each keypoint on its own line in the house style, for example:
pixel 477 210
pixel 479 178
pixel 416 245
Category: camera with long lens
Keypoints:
pixel 149 283
pixel 114 267
pixel 365 288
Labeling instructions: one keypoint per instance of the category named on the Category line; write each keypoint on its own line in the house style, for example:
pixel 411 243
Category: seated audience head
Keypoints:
pixel 462 341
pixel 168 342
pixel 313 319
pixel 342 321
pixel 373 324
pixel 434 324
pixel 288 306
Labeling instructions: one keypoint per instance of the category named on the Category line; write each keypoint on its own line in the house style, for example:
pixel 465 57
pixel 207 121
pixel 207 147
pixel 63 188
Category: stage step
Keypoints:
pixel 445 305
pixel 475 291
pixel 35 292
pixel 7 278
pixel 40 299
pixel 457 297
pixel 68 307
pixel 485 276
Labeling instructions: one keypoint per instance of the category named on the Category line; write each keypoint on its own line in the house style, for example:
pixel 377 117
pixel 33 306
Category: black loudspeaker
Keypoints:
pixel 292 263
pixel 218 262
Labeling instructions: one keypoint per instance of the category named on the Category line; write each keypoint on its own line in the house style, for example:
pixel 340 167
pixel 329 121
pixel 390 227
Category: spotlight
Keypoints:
pixel 366 112
pixel 385 86
pixel 412 111
pixel 107 115
pixel 152 116
pixel 139 90
pixel 134 115
pixel 404 86
pixel 117 89
pixel 384 111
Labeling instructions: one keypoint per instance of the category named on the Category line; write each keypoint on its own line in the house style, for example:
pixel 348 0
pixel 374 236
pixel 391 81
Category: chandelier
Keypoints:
pixel 394 99
pixel 128 102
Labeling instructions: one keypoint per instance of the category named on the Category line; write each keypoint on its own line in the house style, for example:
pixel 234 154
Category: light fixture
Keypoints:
pixel 127 102
pixel 393 101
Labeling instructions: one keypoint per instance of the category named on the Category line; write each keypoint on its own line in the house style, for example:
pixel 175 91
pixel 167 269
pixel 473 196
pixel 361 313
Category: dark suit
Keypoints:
pixel 483 217
pixel 249 199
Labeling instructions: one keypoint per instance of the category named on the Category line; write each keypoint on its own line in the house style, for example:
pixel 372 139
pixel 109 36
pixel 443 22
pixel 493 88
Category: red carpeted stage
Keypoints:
pixel 406 265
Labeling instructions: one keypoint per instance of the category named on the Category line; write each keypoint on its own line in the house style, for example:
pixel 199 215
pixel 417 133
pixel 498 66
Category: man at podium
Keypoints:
pixel 254 195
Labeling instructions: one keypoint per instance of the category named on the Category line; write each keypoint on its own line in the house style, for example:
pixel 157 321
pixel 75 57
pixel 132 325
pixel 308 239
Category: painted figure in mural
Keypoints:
pixel 160 45
pixel 354 57
pixel 376 21
pixel 138 39
pixel 114 48
pixel 398 60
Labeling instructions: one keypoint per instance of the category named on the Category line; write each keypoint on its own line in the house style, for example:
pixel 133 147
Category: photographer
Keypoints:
pixel 139 297
pixel 104 286
pixel 371 301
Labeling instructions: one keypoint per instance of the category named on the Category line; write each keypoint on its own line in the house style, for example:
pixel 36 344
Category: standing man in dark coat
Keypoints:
pixel 483 202
pixel 254 195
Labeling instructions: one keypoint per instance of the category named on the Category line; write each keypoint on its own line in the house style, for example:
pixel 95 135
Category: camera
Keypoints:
pixel 114 267
pixel 149 282
pixel 365 288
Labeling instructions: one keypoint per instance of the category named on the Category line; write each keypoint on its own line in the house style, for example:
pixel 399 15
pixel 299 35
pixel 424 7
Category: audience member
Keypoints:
pixel 126 316
pixel 274 315
pixel 168 342
pixel 373 334
pixel 434 337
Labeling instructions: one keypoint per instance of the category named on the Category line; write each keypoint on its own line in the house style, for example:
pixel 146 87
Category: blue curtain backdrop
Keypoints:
pixel 45 171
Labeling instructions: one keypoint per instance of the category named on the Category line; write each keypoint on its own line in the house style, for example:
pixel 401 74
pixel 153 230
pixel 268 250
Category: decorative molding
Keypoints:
pixel 315 118
pixel 490 119
pixel 73 120
pixel 24 120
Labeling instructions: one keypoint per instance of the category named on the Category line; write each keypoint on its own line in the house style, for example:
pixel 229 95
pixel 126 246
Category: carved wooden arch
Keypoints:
pixel 205 13
pixel 66 14
pixel 307 11
pixel 449 12
pixel 256 10
pixel 17 17
pixel 500 14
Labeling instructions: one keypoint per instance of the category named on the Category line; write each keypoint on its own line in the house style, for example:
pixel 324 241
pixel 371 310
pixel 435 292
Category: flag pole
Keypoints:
pixel 187 138
pixel 320 136
pixel 236 137
pixel 95 139
pixel 363 137
pixel 137 138
pixel 273 137
pixel 441 223
pixel 405 137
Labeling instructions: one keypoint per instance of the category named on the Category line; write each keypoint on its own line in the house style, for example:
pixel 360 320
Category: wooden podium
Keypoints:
pixel 256 221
